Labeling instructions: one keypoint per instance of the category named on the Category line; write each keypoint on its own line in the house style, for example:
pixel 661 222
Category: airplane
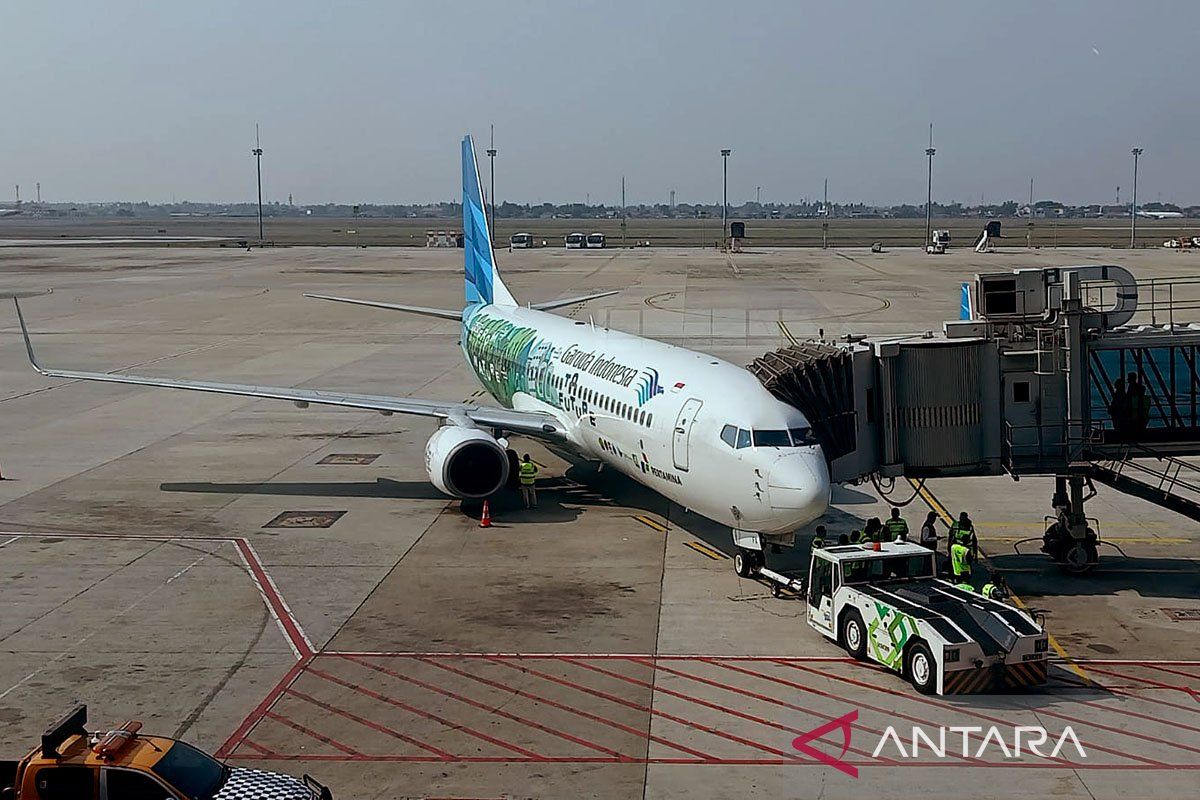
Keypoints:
pixel 699 430
pixel 1161 214
pixel 9 212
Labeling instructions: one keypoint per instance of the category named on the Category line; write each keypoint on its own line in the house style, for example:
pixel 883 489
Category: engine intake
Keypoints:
pixel 465 462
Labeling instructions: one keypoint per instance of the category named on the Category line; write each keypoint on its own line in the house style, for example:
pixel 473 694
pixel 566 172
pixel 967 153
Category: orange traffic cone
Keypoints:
pixel 485 519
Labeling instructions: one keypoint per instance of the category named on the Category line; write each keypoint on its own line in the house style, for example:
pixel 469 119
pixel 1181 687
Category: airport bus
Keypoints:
pixel 520 240
pixel 595 240
pixel 575 241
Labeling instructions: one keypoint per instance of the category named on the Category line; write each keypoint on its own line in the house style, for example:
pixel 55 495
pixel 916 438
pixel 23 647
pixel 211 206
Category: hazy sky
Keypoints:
pixel 366 101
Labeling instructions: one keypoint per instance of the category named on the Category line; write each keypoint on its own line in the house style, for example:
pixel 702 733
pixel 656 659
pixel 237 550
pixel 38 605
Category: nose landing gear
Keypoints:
pixel 1072 539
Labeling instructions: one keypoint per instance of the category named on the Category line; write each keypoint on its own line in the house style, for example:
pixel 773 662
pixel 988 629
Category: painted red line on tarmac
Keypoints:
pixel 723 734
pixel 1136 714
pixel 426 714
pixel 320 737
pixel 278 606
pixel 1161 668
pixel 717 762
pixel 767 699
pixel 619 701
pixel 259 748
pixel 569 709
pixel 255 716
pixel 1123 731
pixel 973 714
pixel 561 656
pixel 372 725
pixel 1148 681
pixel 491 709
pixel 861 704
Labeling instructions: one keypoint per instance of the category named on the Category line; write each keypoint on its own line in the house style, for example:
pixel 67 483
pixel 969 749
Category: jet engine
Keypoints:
pixel 465 462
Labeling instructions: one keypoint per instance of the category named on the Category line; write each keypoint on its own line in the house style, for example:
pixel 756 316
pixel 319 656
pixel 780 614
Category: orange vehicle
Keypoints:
pixel 124 764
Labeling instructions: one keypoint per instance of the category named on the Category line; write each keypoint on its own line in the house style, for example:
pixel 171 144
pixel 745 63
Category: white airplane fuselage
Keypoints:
pixel 656 413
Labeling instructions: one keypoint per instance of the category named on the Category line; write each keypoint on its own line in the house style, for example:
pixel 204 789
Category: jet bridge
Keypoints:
pixel 1083 373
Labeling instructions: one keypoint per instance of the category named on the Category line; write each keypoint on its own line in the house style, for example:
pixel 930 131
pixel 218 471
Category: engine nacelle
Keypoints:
pixel 465 462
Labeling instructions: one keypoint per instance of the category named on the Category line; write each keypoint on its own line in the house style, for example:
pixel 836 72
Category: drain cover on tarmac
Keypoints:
pixel 1183 614
pixel 305 519
pixel 349 458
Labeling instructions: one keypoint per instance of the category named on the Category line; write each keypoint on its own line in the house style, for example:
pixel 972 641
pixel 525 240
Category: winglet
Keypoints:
pixel 25 332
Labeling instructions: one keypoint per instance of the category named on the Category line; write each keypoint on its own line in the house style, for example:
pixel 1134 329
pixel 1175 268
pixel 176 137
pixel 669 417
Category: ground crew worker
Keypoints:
pixel 996 588
pixel 929 535
pixel 818 538
pixel 529 471
pixel 897 528
pixel 856 536
pixel 874 530
pixel 843 540
pixel 960 561
pixel 964 585
pixel 963 532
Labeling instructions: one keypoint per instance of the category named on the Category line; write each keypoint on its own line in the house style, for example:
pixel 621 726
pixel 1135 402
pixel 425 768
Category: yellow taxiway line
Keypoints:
pixel 948 519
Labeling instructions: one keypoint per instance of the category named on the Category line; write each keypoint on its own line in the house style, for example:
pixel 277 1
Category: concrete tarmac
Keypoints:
pixel 599 646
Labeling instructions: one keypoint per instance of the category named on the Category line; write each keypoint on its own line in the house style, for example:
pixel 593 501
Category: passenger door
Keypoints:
pixel 682 434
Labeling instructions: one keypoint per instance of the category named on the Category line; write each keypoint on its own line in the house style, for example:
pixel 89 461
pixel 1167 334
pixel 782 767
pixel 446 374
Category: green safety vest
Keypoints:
pixel 529 473
pixel 856 537
pixel 990 591
pixel 896 529
pixel 961 534
pixel 966 587
pixel 817 542
pixel 960 560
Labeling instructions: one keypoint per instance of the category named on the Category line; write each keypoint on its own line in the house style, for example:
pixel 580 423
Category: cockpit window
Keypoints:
pixel 743 439
pixel 803 437
pixel 729 435
pixel 771 438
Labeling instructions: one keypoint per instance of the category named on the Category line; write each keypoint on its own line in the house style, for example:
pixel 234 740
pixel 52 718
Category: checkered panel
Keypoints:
pixel 254 784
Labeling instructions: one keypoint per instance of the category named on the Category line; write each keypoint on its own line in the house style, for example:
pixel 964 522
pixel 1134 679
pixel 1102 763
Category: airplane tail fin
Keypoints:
pixel 483 283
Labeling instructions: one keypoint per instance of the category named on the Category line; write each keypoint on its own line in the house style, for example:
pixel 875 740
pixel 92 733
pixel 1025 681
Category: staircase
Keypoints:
pixel 1166 481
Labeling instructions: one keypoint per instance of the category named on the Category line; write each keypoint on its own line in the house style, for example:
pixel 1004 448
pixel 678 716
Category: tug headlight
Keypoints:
pixel 950 655
pixel 1040 645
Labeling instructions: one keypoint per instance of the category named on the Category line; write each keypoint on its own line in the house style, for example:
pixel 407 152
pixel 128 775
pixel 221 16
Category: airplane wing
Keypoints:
pixel 530 423
pixel 570 301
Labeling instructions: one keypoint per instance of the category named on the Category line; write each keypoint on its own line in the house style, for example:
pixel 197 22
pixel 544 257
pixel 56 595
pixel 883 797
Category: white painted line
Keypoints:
pixel 101 628
pixel 262 591
pixel 10 541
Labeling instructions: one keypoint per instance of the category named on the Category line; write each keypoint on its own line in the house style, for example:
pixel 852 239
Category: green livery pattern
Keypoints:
pixel 509 358
pixel 887 633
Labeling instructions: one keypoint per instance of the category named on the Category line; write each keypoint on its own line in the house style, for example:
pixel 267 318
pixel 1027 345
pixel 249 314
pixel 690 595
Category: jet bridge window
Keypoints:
pixel 1020 391
pixel 803 437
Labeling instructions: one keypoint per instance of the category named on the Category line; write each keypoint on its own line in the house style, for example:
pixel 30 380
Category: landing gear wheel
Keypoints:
pixel 920 668
pixel 854 635
pixel 1080 558
pixel 743 562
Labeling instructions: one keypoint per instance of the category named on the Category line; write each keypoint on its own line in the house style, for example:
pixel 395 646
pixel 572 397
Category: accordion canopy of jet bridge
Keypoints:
pixel 920 406
pixel 1054 371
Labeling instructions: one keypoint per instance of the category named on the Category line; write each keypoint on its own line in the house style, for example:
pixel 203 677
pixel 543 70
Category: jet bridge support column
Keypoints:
pixel 1070 540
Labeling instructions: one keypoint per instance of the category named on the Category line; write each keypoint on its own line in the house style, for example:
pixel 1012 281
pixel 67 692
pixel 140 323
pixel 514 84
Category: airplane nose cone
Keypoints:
pixel 799 481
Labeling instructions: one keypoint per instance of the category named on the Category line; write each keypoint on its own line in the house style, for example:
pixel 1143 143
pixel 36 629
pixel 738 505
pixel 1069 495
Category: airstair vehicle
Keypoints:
pixel 1081 373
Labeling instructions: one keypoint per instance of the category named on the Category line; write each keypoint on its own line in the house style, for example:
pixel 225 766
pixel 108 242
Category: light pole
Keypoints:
pixel 257 151
pixel 725 196
pixel 1137 151
pixel 492 191
pixel 929 151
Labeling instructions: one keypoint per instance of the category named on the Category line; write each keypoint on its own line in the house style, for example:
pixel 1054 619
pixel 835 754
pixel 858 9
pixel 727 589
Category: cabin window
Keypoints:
pixel 729 435
pixel 649 420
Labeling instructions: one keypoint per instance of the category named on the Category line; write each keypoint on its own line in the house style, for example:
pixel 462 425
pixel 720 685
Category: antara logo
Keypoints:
pixel 952 741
